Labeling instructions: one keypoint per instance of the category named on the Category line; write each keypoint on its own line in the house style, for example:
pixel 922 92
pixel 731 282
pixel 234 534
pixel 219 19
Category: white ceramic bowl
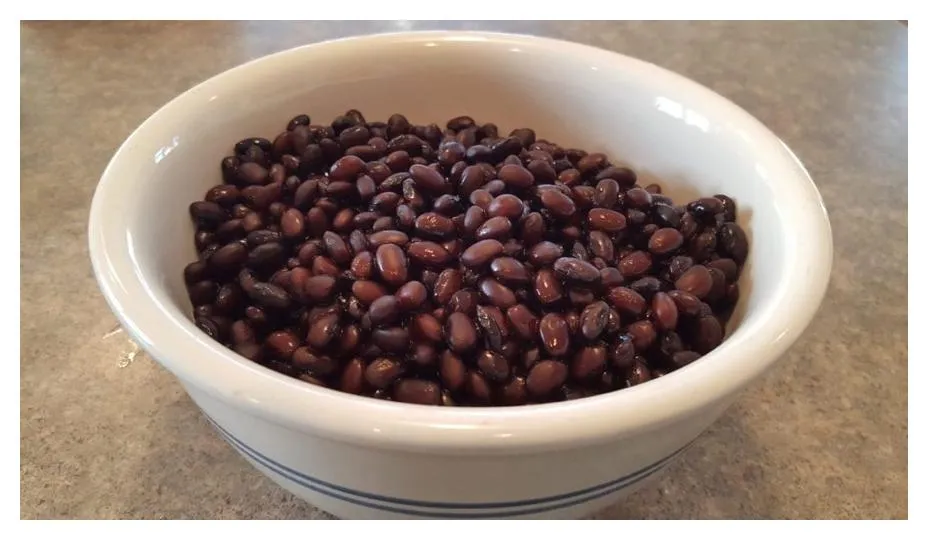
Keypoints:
pixel 362 458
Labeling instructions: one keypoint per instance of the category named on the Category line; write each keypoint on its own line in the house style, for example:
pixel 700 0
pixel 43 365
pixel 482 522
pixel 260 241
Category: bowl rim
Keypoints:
pixel 261 392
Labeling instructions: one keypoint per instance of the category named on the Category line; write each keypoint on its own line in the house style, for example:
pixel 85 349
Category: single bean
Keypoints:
pixel 391 263
pixel 576 270
pixel 545 377
pixel 418 392
pixel 429 254
pixel 496 293
pixel 554 334
pixel 696 280
pixel 481 253
pixel 606 220
pixel 588 362
pixel 548 288
pixel 460 333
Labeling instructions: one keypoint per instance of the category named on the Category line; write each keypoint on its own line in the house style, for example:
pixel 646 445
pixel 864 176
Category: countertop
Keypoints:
pixel 824 435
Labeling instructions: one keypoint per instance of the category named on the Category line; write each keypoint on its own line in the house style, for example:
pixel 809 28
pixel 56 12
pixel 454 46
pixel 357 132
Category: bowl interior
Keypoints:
pixel 685 146
pixel 672 131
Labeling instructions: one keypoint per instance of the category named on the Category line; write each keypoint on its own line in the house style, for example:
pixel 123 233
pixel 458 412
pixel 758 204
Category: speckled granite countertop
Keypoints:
pixel 823 436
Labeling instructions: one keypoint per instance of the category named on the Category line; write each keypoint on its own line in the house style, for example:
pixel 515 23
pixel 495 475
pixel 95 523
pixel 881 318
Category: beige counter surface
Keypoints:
pixel 824 435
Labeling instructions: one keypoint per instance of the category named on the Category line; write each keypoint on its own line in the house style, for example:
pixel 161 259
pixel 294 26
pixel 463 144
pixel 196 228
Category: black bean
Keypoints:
pixel 269 296
pixel 696 280
pixel 635 264
pixel 570 176
pixel 664 311
pixel 515 392
pixel 213 326
pixel 556 202
pixel 195 272
pixel 688 225
pixel 468 256
pixel 554 334
pixel 607 192
pixel 493 366
pixel 516 176
pixel 496 293
pixel 418 392
pixel 639 373
pixel 542 171
pixel 481 253
pixel 588 362
pixel 592 163
pixel 228 258
pixel 623 175
pixel 252 173
pixel 733 242
pixel 719 286
pixel 323 330
pixel 319 288
pixel 224 195
pixel 498 227
pixel 705 209
pixel 572 269
pixel 643 334
pixel 606 220
pixel 506 205
pixel 460 333
pixel 626 300
pixel 729 207
pixel 391 263
pixel 492 323
pixel 429 254
pixel 282 344
pixel 683 358
pixel 545 377
pixel 207 214
pixel 229 168
pixel 411 296
pixel 510 270
pixel 447 283
pixel 382 372
pixel 545 253
pixel 435 225
pixel 505 147
pixel 665 241
pixel 452 371
pixel 622 352
pixel 523 321
pixel 202 292
pixel 665 216
pixel 707 333
pixel 547 287
pixel 464 301
pixel 267 256
pixel 298 120
pixel 352 377
pixel 428 179
pixel 594 319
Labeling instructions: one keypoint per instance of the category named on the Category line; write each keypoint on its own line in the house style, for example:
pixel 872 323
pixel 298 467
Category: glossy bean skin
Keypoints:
pixel 450 264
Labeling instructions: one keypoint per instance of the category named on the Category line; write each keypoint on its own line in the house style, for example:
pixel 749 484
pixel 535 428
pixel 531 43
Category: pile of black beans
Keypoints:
pixel 456 266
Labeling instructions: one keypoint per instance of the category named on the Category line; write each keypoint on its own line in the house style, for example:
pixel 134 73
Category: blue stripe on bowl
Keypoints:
pixel 466 510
